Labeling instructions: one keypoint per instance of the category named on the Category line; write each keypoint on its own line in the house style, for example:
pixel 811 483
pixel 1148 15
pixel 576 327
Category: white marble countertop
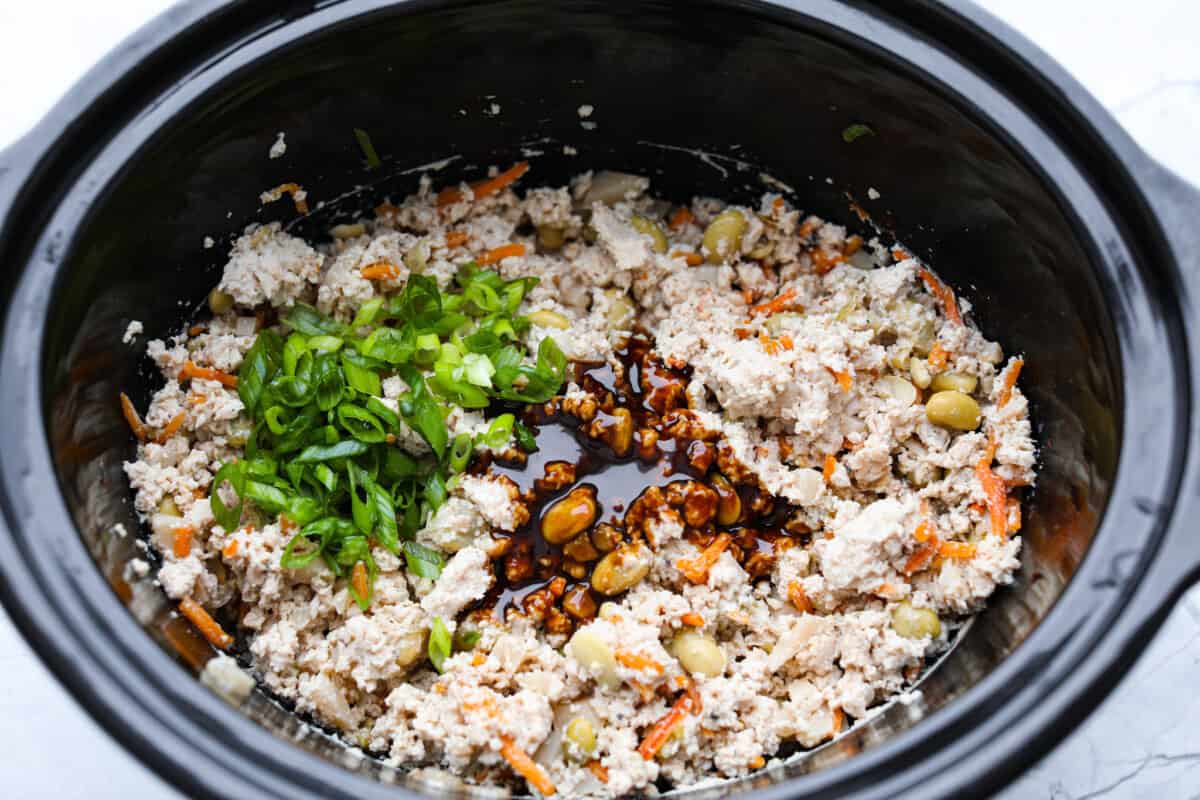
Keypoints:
pixel 1140 59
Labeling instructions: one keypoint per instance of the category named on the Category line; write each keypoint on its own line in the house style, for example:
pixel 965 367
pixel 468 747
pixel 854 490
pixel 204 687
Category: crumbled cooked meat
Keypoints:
pixel 787 376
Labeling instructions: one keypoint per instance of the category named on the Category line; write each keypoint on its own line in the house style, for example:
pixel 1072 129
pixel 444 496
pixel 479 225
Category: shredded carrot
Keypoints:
pixel 230 550
pixel 900 254
pixel 780 303
pixel 692 620
pixel 182 546
pixel 828 468
pixel 525 766
pixel 131 416
pixel 786 341
pixel 484 188
pixel 758 762
pixel 440 688
pixel 1010 380
pixel 853 245
pixel 696 569
pixel 299 196
pixel 598 769
pixel 824 262
pixel 963 550
pixel 997 494
pixel 681 217
pixel 938 357
pixel 198 399
pixel 770 346
pixel 799 598
pixel 921 558
pixel 456 238
pixel 925 532
pixel 196 330
pixel 380 271
pixel 359 580
pixel 839 720
pixel 808 227
pixel 943 293
pixel 661 731
pixel 692 259
pixel 638 662
pixel 502 252
pixel 888 591
pixel 478 660
pixel 843 377
pixel 190 370
pixel 742 334
pixel 747 297
pixel 777 203
pixel 171 428
pixel 207 626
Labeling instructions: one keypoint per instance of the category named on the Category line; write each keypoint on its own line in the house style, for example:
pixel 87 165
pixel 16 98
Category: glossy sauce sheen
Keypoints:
pixel 646 388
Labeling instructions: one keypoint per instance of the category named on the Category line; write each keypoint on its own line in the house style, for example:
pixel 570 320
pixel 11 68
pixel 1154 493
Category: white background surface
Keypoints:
pixel 1142 60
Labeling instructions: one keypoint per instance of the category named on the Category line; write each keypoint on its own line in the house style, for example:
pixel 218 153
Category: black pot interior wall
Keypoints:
pixel 756 93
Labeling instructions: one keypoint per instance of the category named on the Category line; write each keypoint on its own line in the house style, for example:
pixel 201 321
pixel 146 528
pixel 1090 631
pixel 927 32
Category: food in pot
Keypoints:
pixel 578 490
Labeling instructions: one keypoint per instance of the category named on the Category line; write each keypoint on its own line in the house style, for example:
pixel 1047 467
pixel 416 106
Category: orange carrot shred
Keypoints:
pixel 299 197
pixel 786 341
pixel 230 550
pixel 681 217
pixel 661 731
pixel 198 399
pixel 695 569
pixel 502 252
pixel 599 770
pixel 825 262
pixel 692 620
pixel 925 532
pixel 963 550
pixel 190 370
pixel 484 188
pixel 921 558
pixel 525 766
pixel 780 303
pixel 131 416
pixel 853 245
pixel 839 720
pixel 456 238
pixel 182 545
pixel 799 598
pixel 171 428
pixel 692 259
pixel 1010 380
pixel 828 468
pixel 638 662
pixel 758 762
pixel 380 271
pixel 196 330
pixel 770 346
pixel 1014 514
pixel 359 580
pixel 943 293
pixel 994 489
pixel 938 357
pixel 843 377
pixel 204 623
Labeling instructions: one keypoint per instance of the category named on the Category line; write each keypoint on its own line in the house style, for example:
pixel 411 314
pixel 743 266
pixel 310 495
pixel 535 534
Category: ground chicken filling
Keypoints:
pixel 578 491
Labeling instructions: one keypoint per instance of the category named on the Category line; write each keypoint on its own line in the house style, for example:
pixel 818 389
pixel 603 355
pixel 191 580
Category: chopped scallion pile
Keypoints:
pixel 323 449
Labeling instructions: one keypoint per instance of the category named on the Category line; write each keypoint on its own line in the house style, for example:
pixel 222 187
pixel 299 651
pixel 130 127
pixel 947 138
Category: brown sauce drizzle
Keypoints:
pixel 589 444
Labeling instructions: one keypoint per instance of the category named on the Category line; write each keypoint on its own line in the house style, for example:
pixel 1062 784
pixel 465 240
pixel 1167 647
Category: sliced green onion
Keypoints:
pixel 856 131
pixel 439 643
pixel 460 452
pixel 368 149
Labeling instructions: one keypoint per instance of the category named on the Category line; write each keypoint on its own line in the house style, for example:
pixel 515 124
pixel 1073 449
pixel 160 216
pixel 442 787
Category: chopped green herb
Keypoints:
pixel 323 447
pixel 439 643
pixel 856 131
pixel 364 142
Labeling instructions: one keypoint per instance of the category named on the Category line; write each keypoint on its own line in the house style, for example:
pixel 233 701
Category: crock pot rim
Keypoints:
pixel 101 699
